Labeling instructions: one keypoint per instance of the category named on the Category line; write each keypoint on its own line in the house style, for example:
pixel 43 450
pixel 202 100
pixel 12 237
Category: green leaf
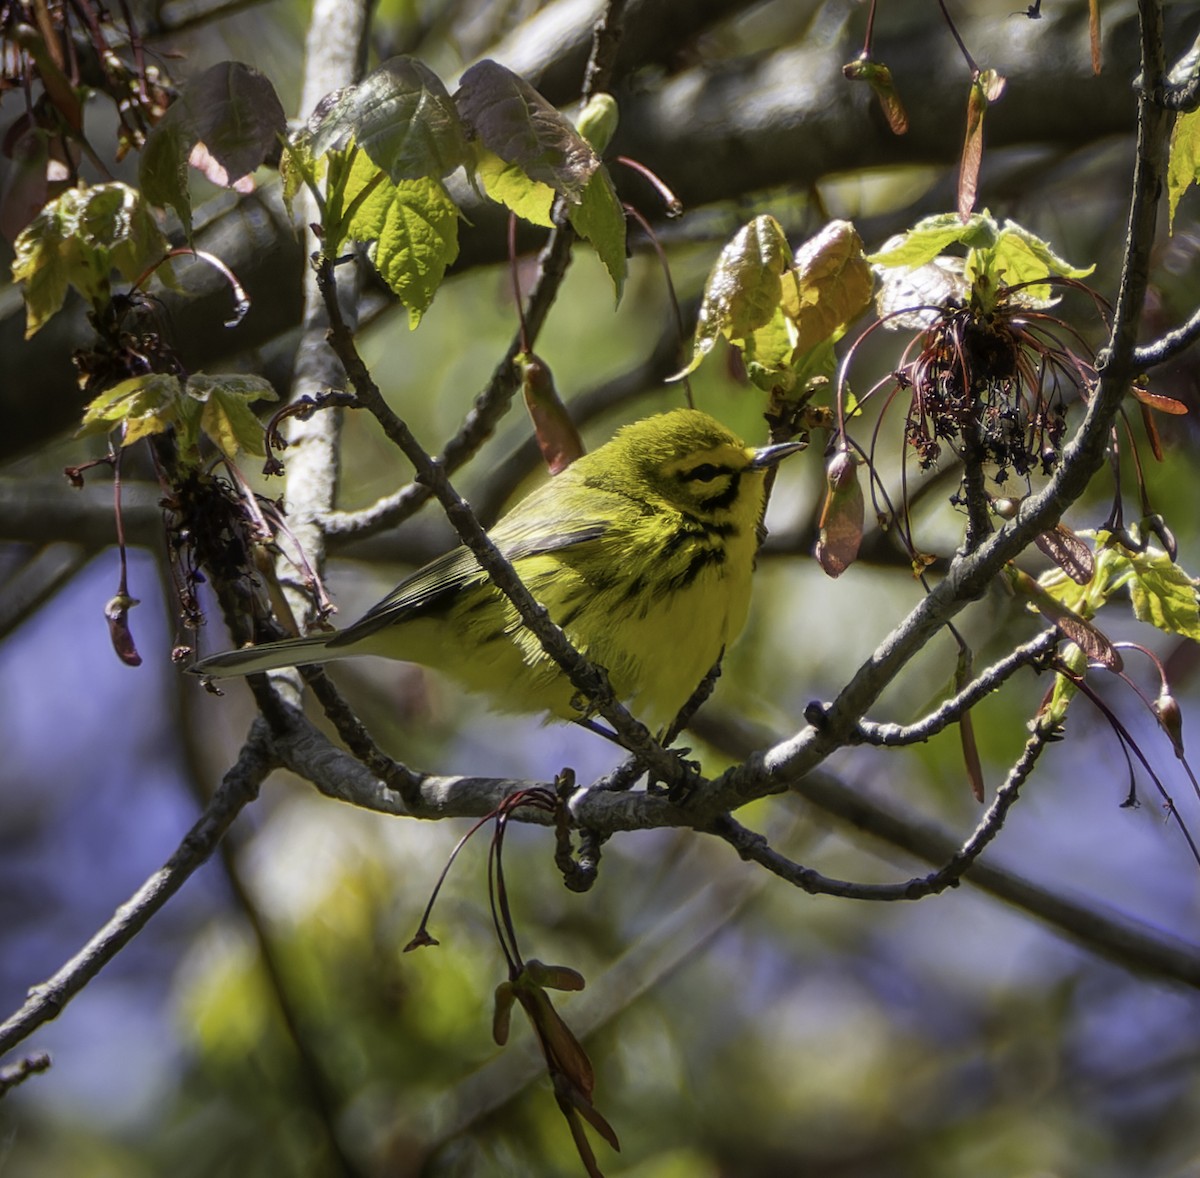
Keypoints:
pixel 832 284
pixel 744 288
pixel 226 417
pixel 226 121
pixel 768 353
pixel 78 240
pixel 412 231
pixel 1163 594
pixel 1017 257
pixel 144 405
pixel 403 117
pixel 995 255
pixel 600 219
pixel 298 167
pixel 509 185
pixel 1183 168
pixel 515 122
pixel 932 235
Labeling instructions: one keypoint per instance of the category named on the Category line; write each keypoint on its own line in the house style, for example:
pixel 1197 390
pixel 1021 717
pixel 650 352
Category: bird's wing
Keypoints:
pixel 431 587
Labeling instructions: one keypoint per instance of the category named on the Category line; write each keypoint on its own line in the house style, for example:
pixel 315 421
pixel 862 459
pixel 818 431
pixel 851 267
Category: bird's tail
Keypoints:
pixel 250 660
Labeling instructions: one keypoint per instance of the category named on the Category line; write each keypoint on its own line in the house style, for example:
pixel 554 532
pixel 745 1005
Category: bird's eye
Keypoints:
pixel 704 473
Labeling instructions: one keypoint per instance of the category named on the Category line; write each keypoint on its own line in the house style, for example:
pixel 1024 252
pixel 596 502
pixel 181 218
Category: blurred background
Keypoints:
pixel 267 1022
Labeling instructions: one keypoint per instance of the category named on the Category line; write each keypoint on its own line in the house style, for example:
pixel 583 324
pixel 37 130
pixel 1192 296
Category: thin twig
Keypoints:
pixel 1030 654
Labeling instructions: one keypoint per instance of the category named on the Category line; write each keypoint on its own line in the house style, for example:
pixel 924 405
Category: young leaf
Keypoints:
pixel 879 78
pixel 226 416
pixel 841 516
pixel 78 240
pixel 557 437
pixel 144 405
pixel 412 231
pixel 744 288
pixel 829 285
pixel 509 185
pixel 402 116
pixel 600 219
pixel 233 112
pixel 1019 256
pixel 1183 166
pixel 931 236
pixel 768 353
pixel 1163 594
pixel 515 122
pixel 986 88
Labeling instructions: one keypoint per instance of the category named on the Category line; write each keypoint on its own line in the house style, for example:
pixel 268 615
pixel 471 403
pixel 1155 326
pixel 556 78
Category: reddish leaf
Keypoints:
pixel 1069 552
pixel 971 761
pixel 1094 644
pixel 879 78
pixel 1094 33
pixel 842 515
pixel 986 88
pixel 557 437
pixel 1158 401
pixel 515 122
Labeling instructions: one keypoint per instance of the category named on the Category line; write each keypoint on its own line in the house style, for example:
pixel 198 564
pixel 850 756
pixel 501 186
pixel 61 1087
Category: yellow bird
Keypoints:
pixel 642 551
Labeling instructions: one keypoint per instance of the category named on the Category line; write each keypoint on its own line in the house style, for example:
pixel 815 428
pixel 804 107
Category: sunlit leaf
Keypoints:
pixel 932 235
pixel 830 284
pixel 516 123
pixel 509 185
pixel 79 240
pixel 768 352
pixel 1183 166
pixel 411 229
pixel 403 117
pixel 744 288
pixel 144 405
pixel 1163 594
pixel 1017 257
pixel 226 417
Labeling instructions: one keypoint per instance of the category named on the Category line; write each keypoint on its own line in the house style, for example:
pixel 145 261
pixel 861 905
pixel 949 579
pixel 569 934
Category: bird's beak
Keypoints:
pixel 768 456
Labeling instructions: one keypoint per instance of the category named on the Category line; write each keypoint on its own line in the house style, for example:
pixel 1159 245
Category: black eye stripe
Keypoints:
pixel 705 472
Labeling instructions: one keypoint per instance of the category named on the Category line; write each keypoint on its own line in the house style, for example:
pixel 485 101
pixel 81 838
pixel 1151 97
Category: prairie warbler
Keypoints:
pixel 642 552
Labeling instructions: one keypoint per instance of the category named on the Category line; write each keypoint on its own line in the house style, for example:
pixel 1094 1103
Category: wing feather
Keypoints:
pixel 432 587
